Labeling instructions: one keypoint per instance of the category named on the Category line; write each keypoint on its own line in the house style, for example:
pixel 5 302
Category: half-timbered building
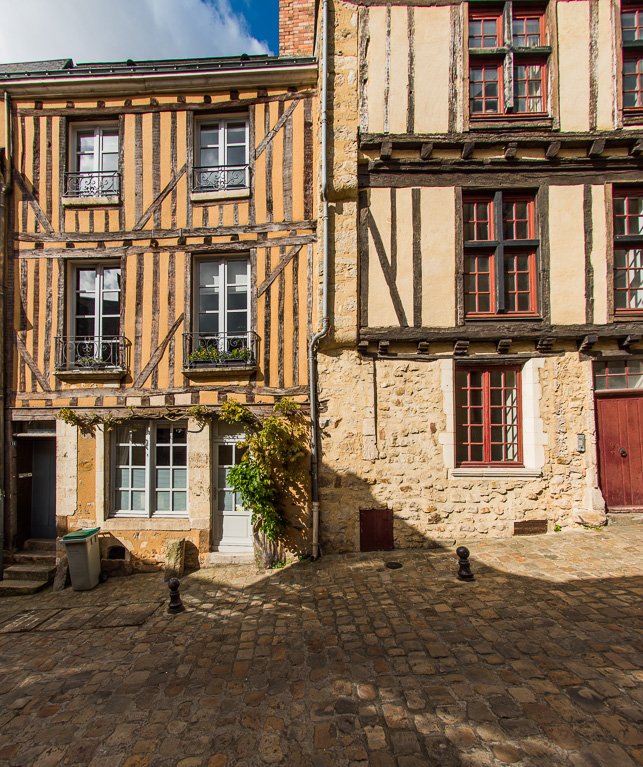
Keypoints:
pixel 160 258
pixel 484 371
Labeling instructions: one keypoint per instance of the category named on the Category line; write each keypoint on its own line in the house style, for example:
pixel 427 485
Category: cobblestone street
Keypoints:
pixel 340 662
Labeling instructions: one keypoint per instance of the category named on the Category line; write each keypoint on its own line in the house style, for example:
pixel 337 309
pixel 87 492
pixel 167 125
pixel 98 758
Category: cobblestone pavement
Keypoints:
pixel 340 662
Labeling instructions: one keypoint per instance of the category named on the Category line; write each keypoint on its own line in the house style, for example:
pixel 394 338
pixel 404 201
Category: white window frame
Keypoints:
pixel 74 165
pixel 223 293
pixel 150 487
pixel 72 309
pixel 222 122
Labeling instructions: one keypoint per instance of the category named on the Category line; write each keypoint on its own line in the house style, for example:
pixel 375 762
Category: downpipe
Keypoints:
pixel 4 236
pixel 312 349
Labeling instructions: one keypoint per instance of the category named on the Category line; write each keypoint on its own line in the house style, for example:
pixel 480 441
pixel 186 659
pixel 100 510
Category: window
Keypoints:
pixel 500 256
pixel 150 470
pixel 488 416
pixel 632 36
pixel 507 72
pixel 618 374
pixel 628 252
pixel 94 162
pixel 221 157
pixel 94 341
pixel 222 312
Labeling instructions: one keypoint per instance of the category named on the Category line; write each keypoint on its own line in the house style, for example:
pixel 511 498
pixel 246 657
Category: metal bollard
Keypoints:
pixel 464 571
pixel 176 606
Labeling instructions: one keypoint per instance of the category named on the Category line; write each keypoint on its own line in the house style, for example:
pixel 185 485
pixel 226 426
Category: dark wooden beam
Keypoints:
pixel 552 150
pixel 382 347
pixel 637 147
pixel 467 149
pixel 626 342
pixel 503 345
pixel 362 347
pixel 423 347
pixel 586 344
pixel 510 150
pixel 386 150
pixel 597 147
pixel 425 150
pixel 545 343
pixel 460 347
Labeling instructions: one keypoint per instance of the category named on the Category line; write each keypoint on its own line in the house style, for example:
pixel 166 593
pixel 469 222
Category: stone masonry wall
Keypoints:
pixel 382 447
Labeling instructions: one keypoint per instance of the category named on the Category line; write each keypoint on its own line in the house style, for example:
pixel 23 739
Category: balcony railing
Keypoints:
pixel 102 183
pixel 219 350
pixel 90 353
pixel 220 179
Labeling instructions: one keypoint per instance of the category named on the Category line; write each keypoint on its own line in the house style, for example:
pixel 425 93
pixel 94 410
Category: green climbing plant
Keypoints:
pixel 271 465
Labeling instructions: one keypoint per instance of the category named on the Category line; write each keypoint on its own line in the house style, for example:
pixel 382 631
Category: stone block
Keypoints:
pixel 174 558
pixel 62 578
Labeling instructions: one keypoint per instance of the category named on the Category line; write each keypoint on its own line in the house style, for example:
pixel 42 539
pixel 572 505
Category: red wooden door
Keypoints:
pixel 376 529
pixel 619 421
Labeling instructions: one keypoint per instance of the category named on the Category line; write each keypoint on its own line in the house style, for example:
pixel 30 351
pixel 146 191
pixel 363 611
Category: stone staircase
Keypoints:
pixel 34 568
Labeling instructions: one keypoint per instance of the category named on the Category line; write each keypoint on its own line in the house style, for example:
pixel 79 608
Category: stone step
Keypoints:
pixel 229 558
pixel 40 544
pixel 624 519
pixel 20 588
pixel 35 558
pixel 29 572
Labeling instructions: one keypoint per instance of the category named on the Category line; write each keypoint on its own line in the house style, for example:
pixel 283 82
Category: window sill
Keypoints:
pixel 111 374
pixel 89 202
pixel 115 523
pixel 507 122
pixel 505 318
pixel 226 194
pixel 633 117
pixel 495 472
pixel 218 371
pixel 628 317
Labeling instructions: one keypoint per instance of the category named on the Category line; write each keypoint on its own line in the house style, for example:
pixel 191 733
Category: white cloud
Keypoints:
pixel 116 30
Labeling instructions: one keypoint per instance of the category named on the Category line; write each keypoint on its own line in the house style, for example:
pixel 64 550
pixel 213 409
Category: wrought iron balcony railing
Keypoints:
pixel 104 183
pixel 219 350
pixel 220 179
pixel 90 353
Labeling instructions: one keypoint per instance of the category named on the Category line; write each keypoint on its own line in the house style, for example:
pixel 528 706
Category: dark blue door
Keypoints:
pixel 43 489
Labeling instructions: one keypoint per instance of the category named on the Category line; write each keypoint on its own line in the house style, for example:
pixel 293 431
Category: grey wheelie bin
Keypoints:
pixel 83 555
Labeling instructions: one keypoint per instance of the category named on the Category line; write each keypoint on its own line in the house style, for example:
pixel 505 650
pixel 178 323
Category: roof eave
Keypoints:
pixel 291 75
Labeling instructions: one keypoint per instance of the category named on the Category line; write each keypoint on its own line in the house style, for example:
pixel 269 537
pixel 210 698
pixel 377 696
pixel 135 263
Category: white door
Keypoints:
pixel 232 523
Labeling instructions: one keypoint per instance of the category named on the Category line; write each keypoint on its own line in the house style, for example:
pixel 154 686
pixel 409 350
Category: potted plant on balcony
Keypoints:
pixel 207 354
pixel 90 363
pixel 241 355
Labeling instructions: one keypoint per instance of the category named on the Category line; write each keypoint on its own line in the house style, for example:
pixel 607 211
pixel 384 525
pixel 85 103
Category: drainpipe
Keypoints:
pixel 4 236
pixel 312 349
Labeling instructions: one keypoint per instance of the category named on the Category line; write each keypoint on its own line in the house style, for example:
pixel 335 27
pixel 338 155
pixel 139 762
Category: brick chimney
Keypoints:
pixel 296 27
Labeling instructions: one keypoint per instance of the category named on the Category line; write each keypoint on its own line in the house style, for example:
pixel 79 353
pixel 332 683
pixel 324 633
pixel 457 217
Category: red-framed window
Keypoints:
pixel 618 375
pixel 507 76
pixel 500 256
pixel 632 41
pixel 628 251
pixel 488 416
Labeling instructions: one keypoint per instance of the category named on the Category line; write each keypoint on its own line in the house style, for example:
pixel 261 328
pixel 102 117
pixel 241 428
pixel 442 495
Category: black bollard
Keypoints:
pixel 176 606
pixel 464 571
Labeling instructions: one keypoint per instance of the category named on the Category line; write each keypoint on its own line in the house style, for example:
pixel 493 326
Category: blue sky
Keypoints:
pixel 263 19
pixel 117 30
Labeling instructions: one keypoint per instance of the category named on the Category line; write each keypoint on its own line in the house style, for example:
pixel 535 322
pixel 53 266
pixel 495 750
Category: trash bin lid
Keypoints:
pixel 79 535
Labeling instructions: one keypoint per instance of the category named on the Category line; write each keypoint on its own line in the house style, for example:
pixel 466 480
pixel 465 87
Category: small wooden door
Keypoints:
pixel 619 420
pixel 376 529
pixel 43 489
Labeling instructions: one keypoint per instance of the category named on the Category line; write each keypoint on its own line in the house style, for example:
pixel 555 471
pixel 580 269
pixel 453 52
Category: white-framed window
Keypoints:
pixel 93 161
pixel 223 296
pixel 95 316
pixel 149 477
pixel 221 154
